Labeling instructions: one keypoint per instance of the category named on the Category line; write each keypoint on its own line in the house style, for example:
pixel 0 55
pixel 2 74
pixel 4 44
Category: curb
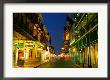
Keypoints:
pixel 39 65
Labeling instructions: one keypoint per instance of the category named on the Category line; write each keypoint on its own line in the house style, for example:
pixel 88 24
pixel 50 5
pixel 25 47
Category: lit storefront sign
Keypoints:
pixel 29 44
pixel 20 45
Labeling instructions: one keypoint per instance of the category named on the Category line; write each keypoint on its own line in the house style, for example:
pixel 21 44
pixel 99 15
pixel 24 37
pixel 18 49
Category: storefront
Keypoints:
pixel 30 50
pixel 26 50
pixel 87 57
pixel 18 52
pixel 85 51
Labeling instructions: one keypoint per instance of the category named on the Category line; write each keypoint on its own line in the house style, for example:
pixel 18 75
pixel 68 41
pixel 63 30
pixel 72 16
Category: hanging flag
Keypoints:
pixel 35 30
pixel 45 30
pixel 39 36
pixel 48 37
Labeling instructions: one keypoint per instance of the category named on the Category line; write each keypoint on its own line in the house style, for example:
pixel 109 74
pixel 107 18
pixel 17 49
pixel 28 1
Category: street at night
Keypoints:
pixel 57 64
pixel 55 40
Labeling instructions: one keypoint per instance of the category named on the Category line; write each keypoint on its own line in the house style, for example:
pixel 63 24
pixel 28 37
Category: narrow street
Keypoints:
pixel 55 40
pixel 58 64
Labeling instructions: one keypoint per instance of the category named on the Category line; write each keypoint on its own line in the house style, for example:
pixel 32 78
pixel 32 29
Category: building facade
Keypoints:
pixel 83 39
pixel 29 40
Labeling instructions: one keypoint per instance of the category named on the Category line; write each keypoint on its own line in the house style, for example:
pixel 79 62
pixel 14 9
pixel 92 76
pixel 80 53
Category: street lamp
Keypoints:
pixel 62 48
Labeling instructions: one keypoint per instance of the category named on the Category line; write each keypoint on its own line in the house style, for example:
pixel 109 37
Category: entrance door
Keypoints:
pixel 20 55
pixel 20 61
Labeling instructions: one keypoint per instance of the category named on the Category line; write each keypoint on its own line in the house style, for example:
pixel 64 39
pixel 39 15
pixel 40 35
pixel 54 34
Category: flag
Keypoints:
pixel 35 30
pixel 48 37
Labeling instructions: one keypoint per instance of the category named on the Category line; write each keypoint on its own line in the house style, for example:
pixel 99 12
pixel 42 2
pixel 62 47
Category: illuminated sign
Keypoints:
pixel 29 44
pixel 20 45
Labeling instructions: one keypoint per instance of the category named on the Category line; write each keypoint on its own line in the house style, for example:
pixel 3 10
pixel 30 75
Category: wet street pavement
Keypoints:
pixel 57 64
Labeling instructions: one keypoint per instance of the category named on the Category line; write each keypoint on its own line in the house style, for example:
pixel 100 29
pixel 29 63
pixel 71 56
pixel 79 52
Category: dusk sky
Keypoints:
pixel 55 23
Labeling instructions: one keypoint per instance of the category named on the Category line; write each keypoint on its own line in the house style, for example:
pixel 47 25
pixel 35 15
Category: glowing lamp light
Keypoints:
pixel 74 49
pixel 46 53
pixel 62 48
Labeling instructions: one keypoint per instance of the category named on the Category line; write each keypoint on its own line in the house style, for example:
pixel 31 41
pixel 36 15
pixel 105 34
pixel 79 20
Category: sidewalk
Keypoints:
pixel 77 66
pixel 32 64
pixel 83 66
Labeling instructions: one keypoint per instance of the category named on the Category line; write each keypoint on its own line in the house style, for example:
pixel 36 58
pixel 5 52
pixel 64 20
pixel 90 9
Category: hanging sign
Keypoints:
pixel 29 44
pixel 20 45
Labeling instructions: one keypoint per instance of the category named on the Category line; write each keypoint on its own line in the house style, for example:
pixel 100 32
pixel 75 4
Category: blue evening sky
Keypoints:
pixel 55 23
